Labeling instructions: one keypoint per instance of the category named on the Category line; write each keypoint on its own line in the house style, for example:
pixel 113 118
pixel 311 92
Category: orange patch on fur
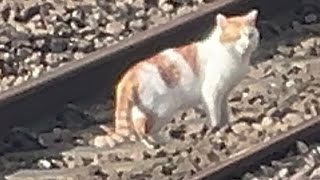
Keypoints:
pixel 189 53
pixel 232 28
pixel 168 71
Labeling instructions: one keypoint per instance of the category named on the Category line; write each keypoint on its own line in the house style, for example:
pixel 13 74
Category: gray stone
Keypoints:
pixel 168 8
pixel 140 14
pixel 85 46
pixel 58 45
pixel 115 28
pixel 310 18
pixel 138 24
pixel 44 164
pixel 140 4
pixel 285 50
pixel 302 147
pixel 184 10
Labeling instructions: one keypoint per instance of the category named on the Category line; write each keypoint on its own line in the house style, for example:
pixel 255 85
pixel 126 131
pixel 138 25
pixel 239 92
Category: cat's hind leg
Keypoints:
pixel 142 124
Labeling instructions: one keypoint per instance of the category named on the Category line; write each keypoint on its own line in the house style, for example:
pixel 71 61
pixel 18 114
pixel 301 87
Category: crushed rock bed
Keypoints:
pixel 261 109
pixel 38 36
pixel 280 92
pixel 301 162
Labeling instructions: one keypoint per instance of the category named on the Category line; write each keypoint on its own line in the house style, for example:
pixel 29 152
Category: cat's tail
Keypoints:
pixel 125 100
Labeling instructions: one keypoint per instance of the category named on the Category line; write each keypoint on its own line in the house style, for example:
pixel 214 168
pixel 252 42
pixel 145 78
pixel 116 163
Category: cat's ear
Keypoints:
pixel 252 16
pixel 221 20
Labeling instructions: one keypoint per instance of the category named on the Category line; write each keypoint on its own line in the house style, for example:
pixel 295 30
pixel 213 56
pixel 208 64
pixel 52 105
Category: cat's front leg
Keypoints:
pixel 212 101
pixel 225 113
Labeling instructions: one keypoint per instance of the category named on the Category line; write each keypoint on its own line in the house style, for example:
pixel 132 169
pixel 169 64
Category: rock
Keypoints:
pixel 310 18
pixel 267 121
pixel 27 13
pixel 194 128
pixel 137 156
pixel 97 43
pixel 40 44
pixel 37 71
pixel 44 164
pixel 257 126
pixel 123 9
pixel 140 14
pixel 184 10
pixel 51 60
pixel 308 43
pixel 8 80
pixel 139 4
pixel 248 176
pixel 283 173
pixel 78 55
pixel 85 46
pixel 156 17
pixel 21 139
pixel 18 81
pixel 290 83
pixel 57 138
pixel 315 174
pixel 240 127
pixel 57 163
pixel 115 28
pixel 23 53
pixel 58 45
pixel 63 30
pixel 302 147
pixel 285 50
pixel 297 26
pixel 267 170
pixel 301 52
pixel 4 39
pixel 184 165
pixel 283 127
pixel 292 119
pixel 20 43
pixel 137 25
pixel 200 158
pixel 167 8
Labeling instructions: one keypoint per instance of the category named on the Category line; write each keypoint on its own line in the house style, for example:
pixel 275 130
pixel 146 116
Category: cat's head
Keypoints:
pixel 239 32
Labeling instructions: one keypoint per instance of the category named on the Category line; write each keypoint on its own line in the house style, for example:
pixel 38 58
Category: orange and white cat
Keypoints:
pixel 153 90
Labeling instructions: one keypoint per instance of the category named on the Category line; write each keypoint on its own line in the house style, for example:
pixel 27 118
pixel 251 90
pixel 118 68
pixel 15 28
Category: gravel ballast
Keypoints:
pixel 300 162
pixel 280 92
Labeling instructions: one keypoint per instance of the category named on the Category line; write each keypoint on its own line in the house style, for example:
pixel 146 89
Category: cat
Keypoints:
pixel 201 72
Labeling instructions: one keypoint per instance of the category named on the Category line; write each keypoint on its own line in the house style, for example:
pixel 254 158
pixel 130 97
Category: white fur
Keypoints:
pixel 222 66
pixel 162 100
pixel 136 113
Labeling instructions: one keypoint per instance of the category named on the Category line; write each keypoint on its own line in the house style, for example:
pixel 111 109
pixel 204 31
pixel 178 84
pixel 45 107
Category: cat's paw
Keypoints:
pixel 150 142
pixel 103 141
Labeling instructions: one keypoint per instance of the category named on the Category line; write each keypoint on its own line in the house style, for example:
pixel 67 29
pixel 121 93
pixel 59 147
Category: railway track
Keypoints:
pixel 55 115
